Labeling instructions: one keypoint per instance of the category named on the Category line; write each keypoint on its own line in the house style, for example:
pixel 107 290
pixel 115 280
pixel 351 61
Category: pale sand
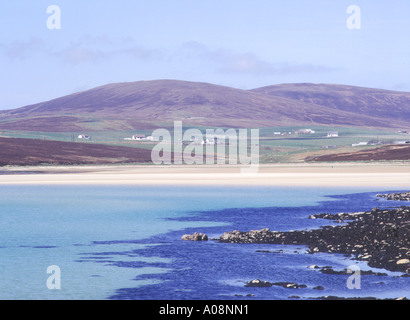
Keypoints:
pixel 346 174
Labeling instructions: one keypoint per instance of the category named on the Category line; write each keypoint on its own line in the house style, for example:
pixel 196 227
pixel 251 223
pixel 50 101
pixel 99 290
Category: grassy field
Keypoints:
pixel 274 148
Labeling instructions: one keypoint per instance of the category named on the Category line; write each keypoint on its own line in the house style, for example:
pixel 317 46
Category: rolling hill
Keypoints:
pixel 361 101
pixel 152 104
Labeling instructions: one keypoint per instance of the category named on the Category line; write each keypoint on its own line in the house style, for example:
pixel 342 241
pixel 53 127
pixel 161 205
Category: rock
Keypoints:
pixel 253 236
pixel 289 285
pixel 264 284
pixel 318 288
pixel 403 261
pixel 366 257
pixel 313 250
pixel 270 251
pixel 258 283
pixel 195 237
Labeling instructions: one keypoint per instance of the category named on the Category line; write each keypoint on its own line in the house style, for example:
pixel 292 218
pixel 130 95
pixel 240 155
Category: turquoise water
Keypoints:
pixel 64 225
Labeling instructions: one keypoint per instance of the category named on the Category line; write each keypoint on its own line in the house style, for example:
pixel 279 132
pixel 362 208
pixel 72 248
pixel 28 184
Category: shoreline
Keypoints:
pixel 375 174
pixel 378 237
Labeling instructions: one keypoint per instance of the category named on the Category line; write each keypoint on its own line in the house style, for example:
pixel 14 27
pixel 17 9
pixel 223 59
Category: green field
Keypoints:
pixel 274 148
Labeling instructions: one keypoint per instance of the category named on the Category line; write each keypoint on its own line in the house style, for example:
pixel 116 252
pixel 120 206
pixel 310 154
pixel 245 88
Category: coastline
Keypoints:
pixel 375 174
pixel 177 245
pixel 378 237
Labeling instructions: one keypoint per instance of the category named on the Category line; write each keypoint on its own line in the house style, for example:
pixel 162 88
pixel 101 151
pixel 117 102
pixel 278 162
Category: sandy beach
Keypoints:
pixel 341 174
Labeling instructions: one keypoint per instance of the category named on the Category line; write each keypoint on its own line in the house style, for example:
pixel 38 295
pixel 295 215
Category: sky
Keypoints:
pixel 238 43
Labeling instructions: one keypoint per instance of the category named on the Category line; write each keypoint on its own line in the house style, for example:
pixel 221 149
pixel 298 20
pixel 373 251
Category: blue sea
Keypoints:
pixel 124 242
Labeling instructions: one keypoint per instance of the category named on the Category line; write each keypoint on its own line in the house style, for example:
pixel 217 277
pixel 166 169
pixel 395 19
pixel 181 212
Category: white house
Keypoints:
pixel 359 144
pixel 305 131
pixel 140 137
pixel 332 134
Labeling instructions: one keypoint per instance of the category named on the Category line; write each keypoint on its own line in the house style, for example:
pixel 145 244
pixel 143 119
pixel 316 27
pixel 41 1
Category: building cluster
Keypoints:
pixel 141 137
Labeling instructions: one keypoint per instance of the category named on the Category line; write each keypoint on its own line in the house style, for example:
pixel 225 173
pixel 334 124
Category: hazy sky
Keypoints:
pixel 239 43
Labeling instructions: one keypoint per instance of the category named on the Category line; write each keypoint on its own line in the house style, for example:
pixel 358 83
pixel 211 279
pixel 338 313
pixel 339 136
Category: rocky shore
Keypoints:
pixel 380 237
pixel 403 196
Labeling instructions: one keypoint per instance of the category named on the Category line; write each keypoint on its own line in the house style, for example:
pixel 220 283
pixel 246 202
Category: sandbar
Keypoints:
pixel 293 174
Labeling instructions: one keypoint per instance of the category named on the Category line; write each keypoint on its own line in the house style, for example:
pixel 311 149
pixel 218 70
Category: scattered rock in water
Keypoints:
pixel 318 288
pixel 265 284
pixel 330 270
pixel 380 237
pixel 403 196
pixel 355 298
pixel 270 251
pixel 289 285
pixel 259 283
pixel 247 295
pixel 195 237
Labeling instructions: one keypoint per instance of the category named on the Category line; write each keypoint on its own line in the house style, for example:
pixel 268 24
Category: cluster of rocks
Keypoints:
pixel 264 284
pixel 380 237
pixel 330 270
pixel 404 196
pixel 293 285
pixel 288 285
pixel 253 236
pixel 356 298
pixel 195 237
pixel 339 217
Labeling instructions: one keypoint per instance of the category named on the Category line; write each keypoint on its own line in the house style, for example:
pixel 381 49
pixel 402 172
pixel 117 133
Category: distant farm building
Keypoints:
pixel 140 137
pixel 305 131
pixel 332 134
pixel 84 136
pixel 359 144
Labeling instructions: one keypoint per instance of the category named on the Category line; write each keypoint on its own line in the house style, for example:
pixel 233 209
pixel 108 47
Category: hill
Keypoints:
pixel 152 104
pixel 385 153
pixel 378 103
pixel 17 151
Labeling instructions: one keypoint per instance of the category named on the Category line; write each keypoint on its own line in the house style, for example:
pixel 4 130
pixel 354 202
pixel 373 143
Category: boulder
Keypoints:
pixel 403 261
pixel 195 237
